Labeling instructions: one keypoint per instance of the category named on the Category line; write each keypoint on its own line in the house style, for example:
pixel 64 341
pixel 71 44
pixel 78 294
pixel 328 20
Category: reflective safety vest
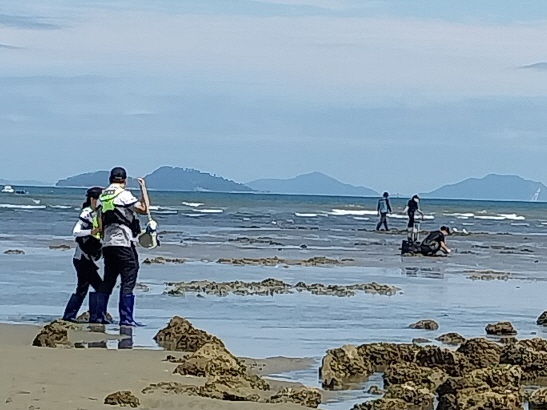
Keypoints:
pixel 114 214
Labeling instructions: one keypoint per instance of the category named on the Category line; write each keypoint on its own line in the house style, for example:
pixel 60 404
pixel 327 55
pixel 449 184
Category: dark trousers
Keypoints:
pixel 123 262
pixel 411 216
pixel 430 249
pixel 383 221
pixel 87 273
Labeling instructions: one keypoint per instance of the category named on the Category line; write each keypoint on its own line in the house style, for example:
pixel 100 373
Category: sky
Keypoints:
pixel 398 95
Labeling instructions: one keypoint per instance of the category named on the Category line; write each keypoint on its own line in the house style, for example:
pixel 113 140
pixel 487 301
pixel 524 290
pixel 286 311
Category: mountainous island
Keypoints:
pixel 315 183
pixel 493 187
pixel 164 179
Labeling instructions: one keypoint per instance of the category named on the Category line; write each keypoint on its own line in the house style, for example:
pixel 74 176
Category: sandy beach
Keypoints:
pixel 68 378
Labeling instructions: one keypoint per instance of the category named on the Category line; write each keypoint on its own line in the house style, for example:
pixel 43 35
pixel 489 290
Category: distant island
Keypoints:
pixel 164 179
pixel 493 187
pixel 315 183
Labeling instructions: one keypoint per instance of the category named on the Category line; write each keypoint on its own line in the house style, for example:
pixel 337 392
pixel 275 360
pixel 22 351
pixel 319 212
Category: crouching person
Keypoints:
pixel 120 224
pixel 88 252
pixel 435 242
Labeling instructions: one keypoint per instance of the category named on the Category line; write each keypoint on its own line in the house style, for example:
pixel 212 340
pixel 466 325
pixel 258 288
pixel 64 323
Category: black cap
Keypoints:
pixel 118 174
pixel 446 229
pixel 386 194
pixel 94 192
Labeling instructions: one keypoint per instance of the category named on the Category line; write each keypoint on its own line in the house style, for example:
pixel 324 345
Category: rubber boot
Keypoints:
pixel 127 341
pixel 127 307
pixel 98 303
pixel 73 306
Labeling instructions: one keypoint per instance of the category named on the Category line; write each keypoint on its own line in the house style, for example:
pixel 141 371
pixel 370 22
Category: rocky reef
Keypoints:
pixel 269 287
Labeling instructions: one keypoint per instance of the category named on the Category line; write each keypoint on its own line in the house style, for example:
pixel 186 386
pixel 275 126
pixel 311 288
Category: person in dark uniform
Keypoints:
pixel 88 251
pixel 435 242
pixel 412 208
pixel 120 229
pixel 383 208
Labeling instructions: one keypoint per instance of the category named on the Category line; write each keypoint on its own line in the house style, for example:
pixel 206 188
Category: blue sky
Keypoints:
pixel 393 94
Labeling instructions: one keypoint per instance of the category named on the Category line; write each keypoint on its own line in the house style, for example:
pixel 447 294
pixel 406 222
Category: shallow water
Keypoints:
pixel 35 287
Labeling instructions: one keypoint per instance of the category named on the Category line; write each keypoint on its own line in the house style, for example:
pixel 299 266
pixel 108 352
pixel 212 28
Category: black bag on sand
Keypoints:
pixel 410 247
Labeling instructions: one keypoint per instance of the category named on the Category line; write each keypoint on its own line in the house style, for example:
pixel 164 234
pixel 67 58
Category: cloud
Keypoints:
pixel 27 22
pixel 9 47
pixel 542 66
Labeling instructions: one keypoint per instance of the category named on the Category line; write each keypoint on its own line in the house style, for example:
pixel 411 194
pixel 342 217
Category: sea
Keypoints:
pixel 36 285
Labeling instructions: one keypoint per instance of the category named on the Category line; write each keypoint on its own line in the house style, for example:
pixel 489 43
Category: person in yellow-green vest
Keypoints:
pixel 88 252
pixel 120 229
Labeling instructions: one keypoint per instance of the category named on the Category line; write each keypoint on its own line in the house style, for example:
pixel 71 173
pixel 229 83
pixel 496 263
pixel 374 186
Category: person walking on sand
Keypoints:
pixel 120 229
pixel 383 208
pixel 88 252
pixel 412 208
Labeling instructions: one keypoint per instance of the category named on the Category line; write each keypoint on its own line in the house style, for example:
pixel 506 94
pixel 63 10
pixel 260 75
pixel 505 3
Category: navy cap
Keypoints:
pixel 94 192
pixel 118 174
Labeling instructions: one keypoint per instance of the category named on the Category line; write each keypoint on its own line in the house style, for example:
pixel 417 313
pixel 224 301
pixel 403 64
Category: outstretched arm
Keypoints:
pixel 142 206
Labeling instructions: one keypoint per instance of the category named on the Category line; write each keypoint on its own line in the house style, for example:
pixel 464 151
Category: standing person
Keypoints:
pixel 88 251
pixel 435 242
pixel 120 224
pixel 383 208
pixel 412 208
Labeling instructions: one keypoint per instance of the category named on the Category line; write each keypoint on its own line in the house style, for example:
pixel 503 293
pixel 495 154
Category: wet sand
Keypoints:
pixel 68 378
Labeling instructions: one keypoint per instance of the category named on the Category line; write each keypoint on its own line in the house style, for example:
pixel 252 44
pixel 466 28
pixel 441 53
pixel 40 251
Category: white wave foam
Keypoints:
pixel 513 217
pixel 193 204
pixel 404 216
pixel 60 206
pixel 305 215
pixel 464 215
pixel 14 206
pixel 352 212
pixel 194 215
pixel 361 218
pixel 210 211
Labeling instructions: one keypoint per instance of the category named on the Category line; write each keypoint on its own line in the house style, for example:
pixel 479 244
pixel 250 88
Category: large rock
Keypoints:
pixel 303 396
pixel 533 363
pixel 122 399
pixel 538 344
pixel 181 335
pixel 417 396
pixel 495 387
pixel 485 399
pixel 451 338
pixel 425 325
pixel 213 360
pixel 341 365
pixel 501 329
pixel 54 334
pixel 538 399
pixel 384 404
pixel 451 362
pixel 542 319
pixel 381 355
pixel 481 352
pixel 401 373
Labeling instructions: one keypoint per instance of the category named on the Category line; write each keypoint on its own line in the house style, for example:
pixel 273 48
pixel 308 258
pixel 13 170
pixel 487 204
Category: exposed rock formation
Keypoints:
pixel 181 335
pixel 451 338
pixel 341 365
pixel 54 334
pixel 501 329
pixel 425 324
pixel 481 352
pixel 122 399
